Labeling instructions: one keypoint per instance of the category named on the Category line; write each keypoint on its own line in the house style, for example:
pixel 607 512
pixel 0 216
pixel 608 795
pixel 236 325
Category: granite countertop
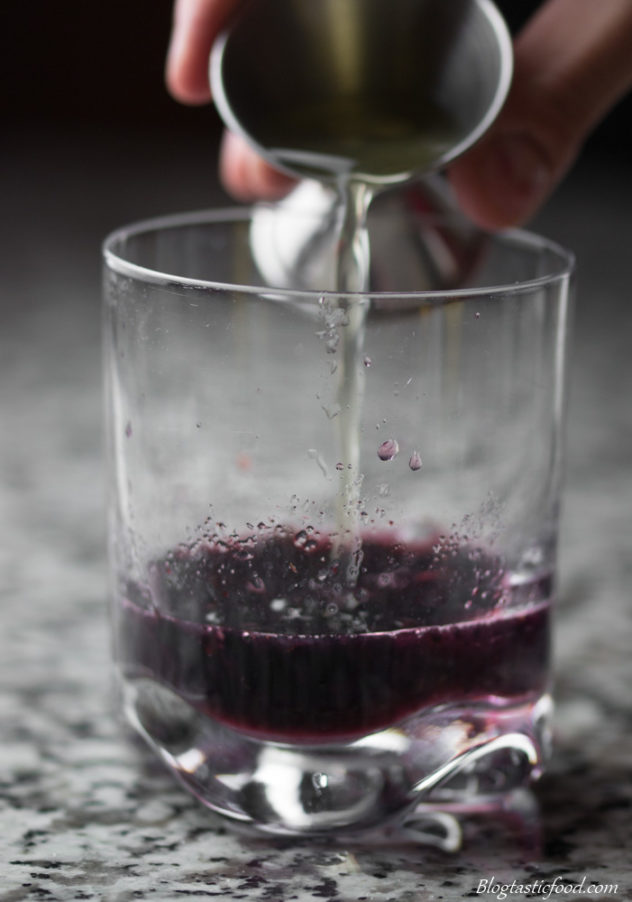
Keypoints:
pixel 84 813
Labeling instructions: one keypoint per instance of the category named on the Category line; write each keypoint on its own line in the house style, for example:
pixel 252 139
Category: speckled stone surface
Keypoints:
pixel 84 812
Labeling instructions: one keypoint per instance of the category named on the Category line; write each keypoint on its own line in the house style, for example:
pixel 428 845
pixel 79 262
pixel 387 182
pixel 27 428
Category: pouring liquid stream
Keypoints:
pixel 400 141
pixel 352 275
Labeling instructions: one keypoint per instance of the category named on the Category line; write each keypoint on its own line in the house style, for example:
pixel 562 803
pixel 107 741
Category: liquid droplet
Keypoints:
pixel 388 450
pixel 315 455
pixel 367 361
pixel 300 538
pixel 415 461
pixel 340 466
pixel 477 315
pixel 331 410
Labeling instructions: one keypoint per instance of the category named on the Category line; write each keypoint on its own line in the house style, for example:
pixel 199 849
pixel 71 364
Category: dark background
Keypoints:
pixel 91 140
pixel 100 66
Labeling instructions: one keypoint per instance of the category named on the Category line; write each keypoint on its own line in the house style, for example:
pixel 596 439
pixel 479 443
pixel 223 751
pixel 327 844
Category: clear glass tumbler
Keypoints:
pixel 333 518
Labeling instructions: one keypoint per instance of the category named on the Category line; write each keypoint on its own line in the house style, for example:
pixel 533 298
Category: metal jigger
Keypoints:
pixel 385 63
pixel 379 91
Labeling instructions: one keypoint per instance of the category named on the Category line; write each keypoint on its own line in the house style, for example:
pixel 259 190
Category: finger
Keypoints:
pixel 573 61
pixel 246 175
pixel 196 24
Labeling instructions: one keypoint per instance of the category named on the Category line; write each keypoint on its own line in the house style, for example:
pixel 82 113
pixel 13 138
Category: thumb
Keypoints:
pixel 573 61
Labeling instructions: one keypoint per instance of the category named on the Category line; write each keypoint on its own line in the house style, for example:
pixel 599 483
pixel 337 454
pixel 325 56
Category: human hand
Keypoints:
pixel 572 62
pixel 196 24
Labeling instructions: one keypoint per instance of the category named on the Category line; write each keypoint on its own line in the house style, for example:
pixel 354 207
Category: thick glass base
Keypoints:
pixel 416 775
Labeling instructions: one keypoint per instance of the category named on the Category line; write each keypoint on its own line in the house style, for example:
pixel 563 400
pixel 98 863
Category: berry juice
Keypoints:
pixel 260 635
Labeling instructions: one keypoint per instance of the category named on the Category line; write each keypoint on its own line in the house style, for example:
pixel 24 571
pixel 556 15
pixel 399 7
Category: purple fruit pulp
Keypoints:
pixel 261 637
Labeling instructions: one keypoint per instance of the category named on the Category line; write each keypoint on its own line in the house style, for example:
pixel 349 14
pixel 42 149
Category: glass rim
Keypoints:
pixel 518 237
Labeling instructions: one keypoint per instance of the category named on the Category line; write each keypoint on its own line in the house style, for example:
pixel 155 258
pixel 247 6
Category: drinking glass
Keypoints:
pixel 333 518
